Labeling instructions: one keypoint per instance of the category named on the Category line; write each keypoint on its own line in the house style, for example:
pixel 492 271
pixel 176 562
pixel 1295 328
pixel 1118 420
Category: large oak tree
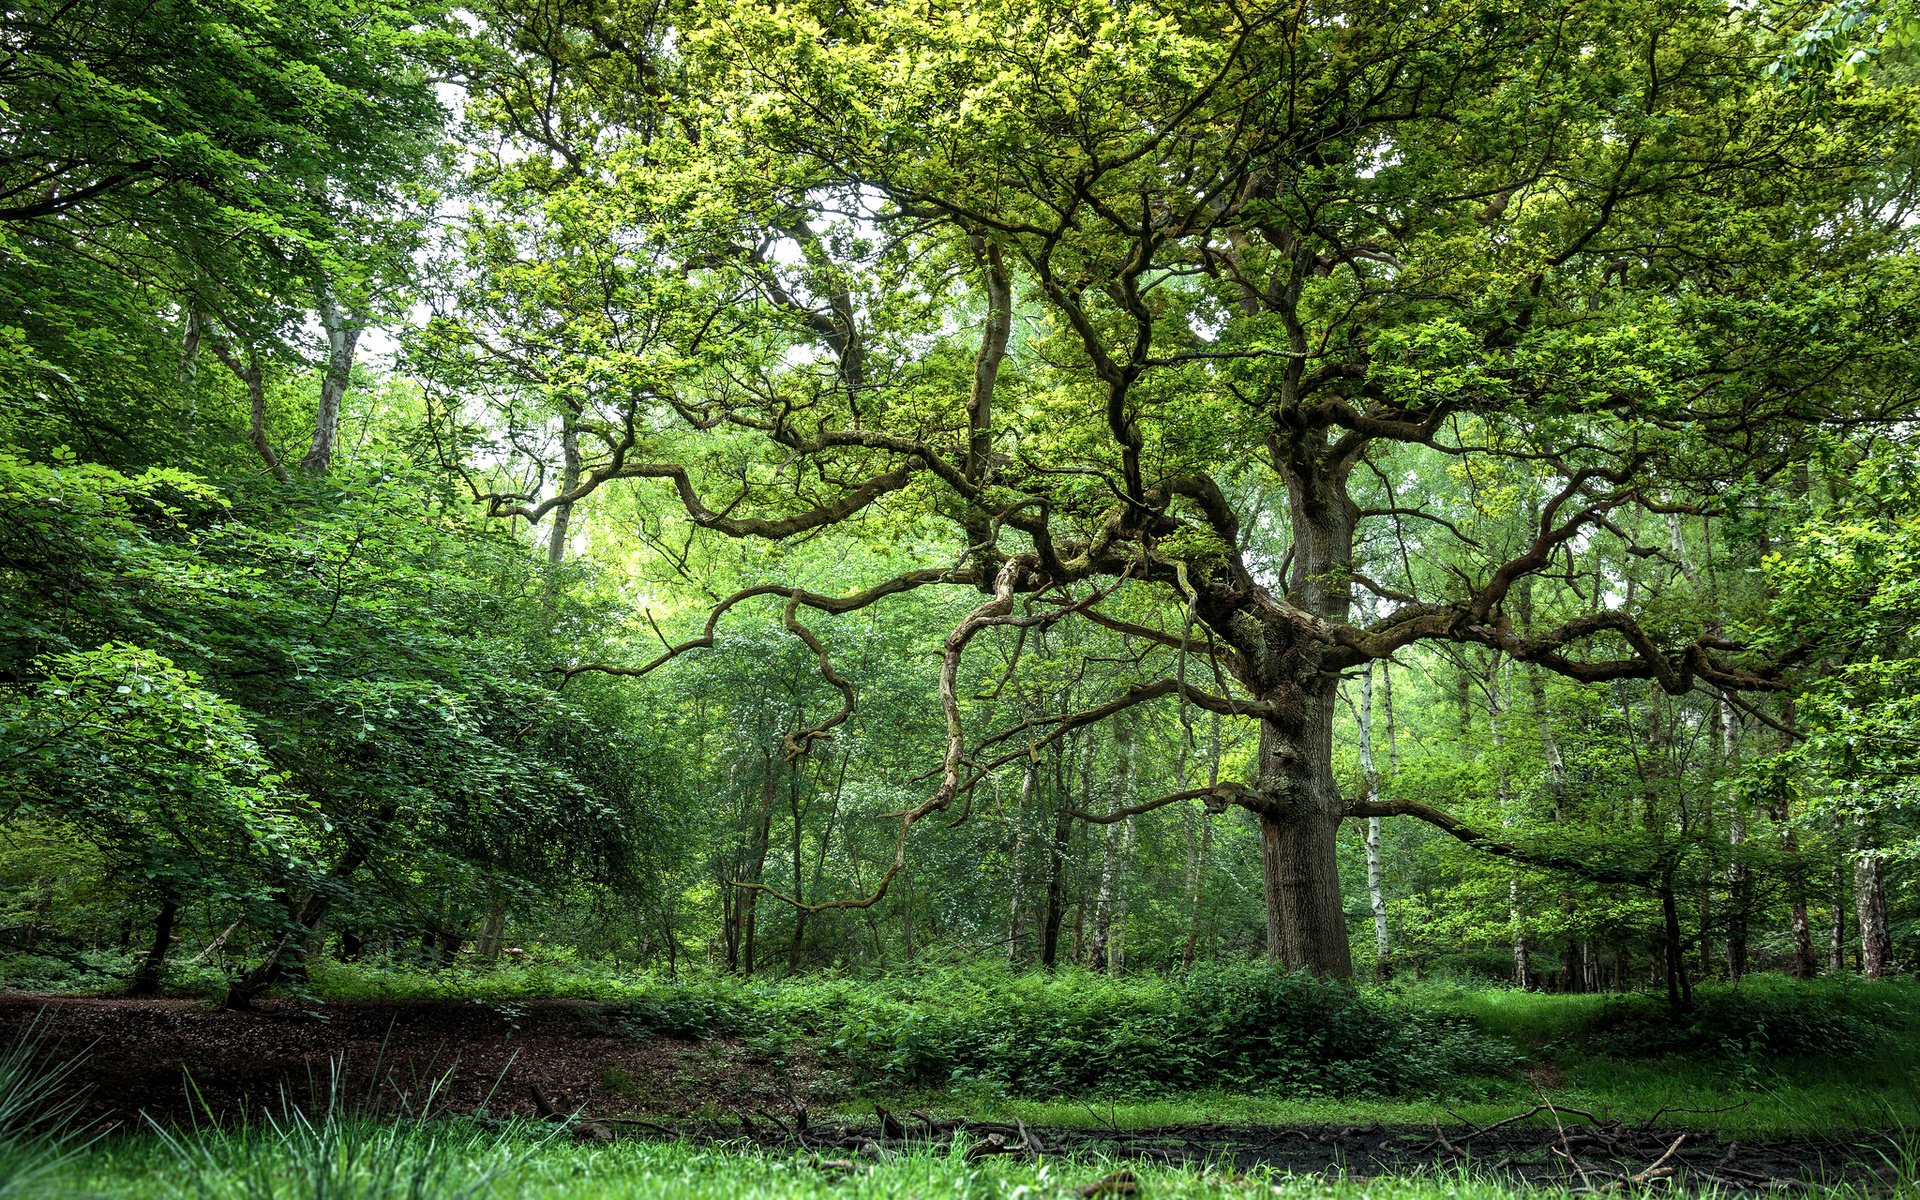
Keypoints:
pixel 1103 308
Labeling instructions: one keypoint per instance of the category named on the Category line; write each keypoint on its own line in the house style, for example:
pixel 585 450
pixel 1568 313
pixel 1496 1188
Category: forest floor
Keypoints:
pixel 178 1060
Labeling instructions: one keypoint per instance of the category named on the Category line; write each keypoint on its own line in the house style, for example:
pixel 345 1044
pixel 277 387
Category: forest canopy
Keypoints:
pixel 785 487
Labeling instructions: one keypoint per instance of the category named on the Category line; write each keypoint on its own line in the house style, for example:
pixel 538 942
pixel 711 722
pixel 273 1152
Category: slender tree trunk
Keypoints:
pixel 759 835
pixel 799 866
pixel 1739 885
pixel 1870 905
pixel 570 467
pixel 1837 932
pixel 493 927
pixel 1199 843
pixel 1673 950
pixel 146 978
pixel 253 375
pixel 1376 882
pixel 1103 951
pixel 1055 912
pixel 342 327
pixel 1023 827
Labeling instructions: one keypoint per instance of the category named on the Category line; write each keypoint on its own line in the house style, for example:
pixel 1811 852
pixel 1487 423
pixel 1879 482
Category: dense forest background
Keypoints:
pixel 1398 490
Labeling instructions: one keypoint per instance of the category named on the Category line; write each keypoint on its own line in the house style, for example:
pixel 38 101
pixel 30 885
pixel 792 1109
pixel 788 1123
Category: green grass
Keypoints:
pixel 145 1169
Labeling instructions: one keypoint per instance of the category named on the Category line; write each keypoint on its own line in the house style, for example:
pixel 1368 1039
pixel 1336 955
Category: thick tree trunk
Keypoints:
pixel 1299 830
pixel 1805 966
pixel 146 978
pixel 1284 660
pixel 1516 908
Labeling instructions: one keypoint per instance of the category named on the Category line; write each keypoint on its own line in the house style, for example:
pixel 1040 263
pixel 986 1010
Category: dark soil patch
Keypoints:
pixel 580 1058
pixel 140 1054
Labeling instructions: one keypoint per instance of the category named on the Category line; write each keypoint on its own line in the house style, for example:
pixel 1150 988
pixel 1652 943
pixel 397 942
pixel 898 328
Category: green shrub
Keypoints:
pixel 1763 1017
pixel 1078 1033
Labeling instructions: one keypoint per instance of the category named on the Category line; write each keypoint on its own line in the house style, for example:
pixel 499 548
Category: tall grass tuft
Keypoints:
pixel 344 1147
pixel 39 1113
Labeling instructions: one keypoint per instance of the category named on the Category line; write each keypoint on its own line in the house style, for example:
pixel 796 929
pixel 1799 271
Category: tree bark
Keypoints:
pixel 1871 909
pixel 1673 951
pixel 153 965
pixel 1837 932
pixel 1870 906
pixel 1376 881
pixel 1199 845
pixel 759 835
pixel 493 927
pixel 1057 845
pixel 1739 884
pixel 1299 836
pixel 1516 910
pixel 1104 952
pixel 342 327
pixel 1023 825
pixel 570 467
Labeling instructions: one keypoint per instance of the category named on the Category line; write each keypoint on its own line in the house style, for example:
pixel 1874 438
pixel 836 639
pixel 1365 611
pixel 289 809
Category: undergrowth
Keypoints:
pixel 1245 1028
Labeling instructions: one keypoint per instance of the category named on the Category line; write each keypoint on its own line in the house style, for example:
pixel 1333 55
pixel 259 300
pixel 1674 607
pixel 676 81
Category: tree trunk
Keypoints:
pixel 570 468
pixel 1299 832
pixel 795 944
pixel 342 327
pixel 1870 904
pixel 1055 913
pixel 146 978
pixel 1739 884
pixel 1199 844
pixel 305 916
pixel 1673 951
pixel 1104 952
pixel 759 834
pixel 1296 673
pixel 1837 931
pixel 493 928
pixel 1376 881
pixel 1023 826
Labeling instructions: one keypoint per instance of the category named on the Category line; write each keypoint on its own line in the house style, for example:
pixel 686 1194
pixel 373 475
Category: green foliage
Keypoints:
pixel 1243 1027
pixel 338 1146
pixel 1763 1019
pixel 40 1101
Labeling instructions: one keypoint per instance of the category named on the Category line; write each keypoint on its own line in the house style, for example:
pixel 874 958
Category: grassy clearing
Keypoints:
pixel 487 1168
pixel 1776 1056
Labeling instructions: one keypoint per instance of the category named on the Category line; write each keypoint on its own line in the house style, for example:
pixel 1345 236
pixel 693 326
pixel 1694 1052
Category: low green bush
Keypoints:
pixel 1079 1033
pixel 1763 1017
